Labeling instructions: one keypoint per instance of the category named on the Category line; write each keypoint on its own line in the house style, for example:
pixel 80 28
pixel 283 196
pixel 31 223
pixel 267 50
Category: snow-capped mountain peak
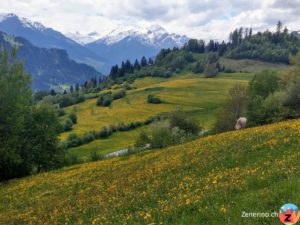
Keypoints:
pixel 25 22
pixel 154 35
pixel 131 43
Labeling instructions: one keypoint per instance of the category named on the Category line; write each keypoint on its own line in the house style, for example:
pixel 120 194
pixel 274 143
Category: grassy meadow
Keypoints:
pixel 200 97
pixel 211 180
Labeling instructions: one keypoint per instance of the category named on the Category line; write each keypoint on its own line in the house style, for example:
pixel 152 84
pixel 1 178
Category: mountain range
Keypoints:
pixel 41 36
pixel 49 68
pixel 134 43
pixel 100 51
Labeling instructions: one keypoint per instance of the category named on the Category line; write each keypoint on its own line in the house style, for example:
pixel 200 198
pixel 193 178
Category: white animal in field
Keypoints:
pixel 241 123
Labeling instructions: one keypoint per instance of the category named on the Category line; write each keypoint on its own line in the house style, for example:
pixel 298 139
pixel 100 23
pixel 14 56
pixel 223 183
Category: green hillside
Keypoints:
pixel 211 180
pixel 200 97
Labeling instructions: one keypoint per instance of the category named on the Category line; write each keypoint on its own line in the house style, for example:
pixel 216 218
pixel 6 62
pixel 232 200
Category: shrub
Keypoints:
pixel 122 127
pixel 198 68
pixel 178 63
pixel 61 112
pixel 79 98
pixel 68 125
pixel 72 159
pixel 120 94
pixel 235 107
pixel 183 122
pixel 94 156
pixel 73 117
pixel 178 135
pixel 127 86
pixel 142 140
pixel 104 132
pixel 228 70
pixel 105 99
pixel 73 140
pixel 210 70
pixel 153 99
pixel 65 100
pixel 87 137
pixel 161 135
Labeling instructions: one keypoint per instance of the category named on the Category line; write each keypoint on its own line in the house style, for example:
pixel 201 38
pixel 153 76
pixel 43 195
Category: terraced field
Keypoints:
pixel 211 180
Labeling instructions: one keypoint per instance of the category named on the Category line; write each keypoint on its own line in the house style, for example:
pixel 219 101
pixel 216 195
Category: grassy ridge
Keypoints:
pixel 207 181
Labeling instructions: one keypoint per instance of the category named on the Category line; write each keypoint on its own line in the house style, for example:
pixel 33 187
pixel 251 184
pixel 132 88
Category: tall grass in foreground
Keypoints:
pixel 211 180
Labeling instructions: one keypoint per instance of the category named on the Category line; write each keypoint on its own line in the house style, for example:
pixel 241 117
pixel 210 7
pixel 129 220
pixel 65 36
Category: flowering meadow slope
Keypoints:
pixel 211 180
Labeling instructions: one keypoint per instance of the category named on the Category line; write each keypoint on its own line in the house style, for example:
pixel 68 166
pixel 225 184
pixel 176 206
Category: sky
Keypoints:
pixel 201 19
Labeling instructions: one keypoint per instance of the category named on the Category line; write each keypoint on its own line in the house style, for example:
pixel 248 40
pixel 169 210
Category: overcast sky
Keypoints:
pixel 196 18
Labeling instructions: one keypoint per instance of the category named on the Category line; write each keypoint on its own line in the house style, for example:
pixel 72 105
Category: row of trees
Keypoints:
pixel 28 133
pixel 128 67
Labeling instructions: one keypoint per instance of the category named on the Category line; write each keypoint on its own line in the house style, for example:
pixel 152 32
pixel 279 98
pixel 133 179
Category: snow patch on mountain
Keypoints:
pixel 83 38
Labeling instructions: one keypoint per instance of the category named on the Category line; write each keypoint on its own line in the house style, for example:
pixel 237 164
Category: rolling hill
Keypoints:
pixel 202 101
pixel 211 180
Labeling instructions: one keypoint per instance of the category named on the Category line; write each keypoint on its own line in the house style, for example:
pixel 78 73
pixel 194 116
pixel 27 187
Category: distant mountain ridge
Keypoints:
pixel 134 42
pixel 42 36
pixel 49 67
pixel 84 39
pixel 97 50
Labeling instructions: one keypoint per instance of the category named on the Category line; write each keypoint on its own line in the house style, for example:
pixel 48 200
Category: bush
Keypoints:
pixel 94 156
pixel 210 70
pixel 87 137
pixel 178 135
pixel 178 63
pixel 69 99
pixel 228 70
pixel 153 100
pixel 142 140
pixel 127 86
pixel 104 132
pixel 61 112
pixel 235 107
pixel 68 125
pixel 198 68
pixel 65 100
pixel 73 117
pixel 183 122
pixel 122 127
pixel 79 99
pixel 105 99
pixel 73 140
pixel 72 159
pixel 120 94
pixel 161 135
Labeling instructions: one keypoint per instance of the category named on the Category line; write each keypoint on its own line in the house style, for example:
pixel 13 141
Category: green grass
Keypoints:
pixel 199 96
pixel 115 142
pixel 250 65
pixel 211 180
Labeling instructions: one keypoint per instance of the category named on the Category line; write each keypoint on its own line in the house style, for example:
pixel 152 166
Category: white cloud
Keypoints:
pixel 199 19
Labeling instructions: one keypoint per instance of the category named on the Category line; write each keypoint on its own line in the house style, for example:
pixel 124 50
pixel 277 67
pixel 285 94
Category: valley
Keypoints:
pixel 140 125
pixel 202 100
